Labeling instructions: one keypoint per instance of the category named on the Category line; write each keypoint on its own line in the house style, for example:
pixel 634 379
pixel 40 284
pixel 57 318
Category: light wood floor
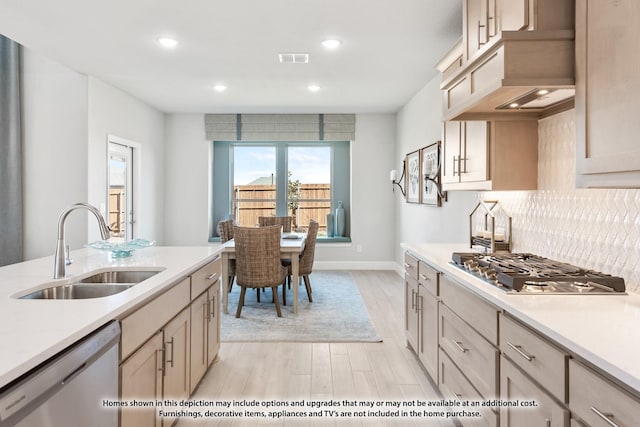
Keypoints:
pixel 326 371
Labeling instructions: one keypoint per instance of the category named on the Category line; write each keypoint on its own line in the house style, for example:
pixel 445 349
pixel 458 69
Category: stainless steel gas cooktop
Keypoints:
pixel 528 274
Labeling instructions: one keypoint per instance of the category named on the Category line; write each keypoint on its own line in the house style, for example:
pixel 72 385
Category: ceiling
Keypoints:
pixel 388 52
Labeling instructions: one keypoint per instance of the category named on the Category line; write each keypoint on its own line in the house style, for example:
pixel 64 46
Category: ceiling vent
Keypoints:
pixel 293 58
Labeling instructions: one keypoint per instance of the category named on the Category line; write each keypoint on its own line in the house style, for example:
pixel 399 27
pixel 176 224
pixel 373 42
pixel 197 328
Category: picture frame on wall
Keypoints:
pixel 413 177
pixel 430 174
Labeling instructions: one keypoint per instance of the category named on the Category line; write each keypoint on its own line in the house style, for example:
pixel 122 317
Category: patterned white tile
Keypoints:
pixel 592 228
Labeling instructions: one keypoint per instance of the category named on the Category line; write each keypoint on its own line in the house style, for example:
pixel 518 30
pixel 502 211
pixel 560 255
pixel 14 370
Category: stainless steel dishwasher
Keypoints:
pixel 68 389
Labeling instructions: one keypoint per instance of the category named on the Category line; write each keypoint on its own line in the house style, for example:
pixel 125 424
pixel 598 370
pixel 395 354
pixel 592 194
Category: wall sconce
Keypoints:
pixel 393 175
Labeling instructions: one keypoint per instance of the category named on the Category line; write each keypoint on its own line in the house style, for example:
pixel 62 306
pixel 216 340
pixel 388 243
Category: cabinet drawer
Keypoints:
pixel 474 355
pixel 203 278
pixel 428 278
pixel 533 354
pixel 481 315
pixel 515 385
pixel 150 318
pixel 595 399
pixel 454 385
pixel 411 265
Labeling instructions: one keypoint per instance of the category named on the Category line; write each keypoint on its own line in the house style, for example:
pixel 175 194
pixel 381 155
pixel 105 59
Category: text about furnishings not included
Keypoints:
pixel 302 408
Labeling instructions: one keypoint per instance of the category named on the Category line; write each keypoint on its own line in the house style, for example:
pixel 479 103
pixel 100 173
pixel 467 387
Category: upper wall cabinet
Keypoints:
pixel 490 155
pixel 607 88
pixel 514 55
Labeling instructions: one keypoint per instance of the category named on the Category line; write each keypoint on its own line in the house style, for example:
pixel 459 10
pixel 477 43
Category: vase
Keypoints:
pixel 330 225
pixel 340 218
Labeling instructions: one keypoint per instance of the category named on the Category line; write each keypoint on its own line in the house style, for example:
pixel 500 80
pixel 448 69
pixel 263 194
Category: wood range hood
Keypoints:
pixel 522 74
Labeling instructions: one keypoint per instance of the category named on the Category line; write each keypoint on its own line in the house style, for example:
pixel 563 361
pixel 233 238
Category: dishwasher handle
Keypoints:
pixel 35 387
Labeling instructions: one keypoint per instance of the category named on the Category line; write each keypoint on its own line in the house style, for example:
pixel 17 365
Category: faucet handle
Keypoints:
pixel 67 257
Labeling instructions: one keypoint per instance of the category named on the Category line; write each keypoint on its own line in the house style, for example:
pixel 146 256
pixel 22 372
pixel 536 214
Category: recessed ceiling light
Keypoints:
pixel 514 105
pixel 543 91
pixel 167 42
pixel 313 88
pixel 331 43
pixel 220 88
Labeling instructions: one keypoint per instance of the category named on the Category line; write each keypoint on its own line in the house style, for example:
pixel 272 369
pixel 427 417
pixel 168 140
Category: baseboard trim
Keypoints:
pixel 355 265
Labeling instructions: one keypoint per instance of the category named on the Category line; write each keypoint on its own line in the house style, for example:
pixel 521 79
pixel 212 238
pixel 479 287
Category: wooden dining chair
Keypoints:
pixel 225 230
pixel 258 263
pixel 306 258
pixel 284 221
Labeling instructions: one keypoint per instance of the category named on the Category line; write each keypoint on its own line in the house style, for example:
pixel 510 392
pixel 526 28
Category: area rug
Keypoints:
pixel 337 314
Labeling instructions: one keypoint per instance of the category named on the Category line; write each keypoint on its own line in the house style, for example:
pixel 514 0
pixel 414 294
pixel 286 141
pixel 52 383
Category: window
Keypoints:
pixel 302 180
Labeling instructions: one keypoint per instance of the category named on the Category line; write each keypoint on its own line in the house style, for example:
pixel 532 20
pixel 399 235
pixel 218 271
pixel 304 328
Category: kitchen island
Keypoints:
pixel 590 336
pixel 31 330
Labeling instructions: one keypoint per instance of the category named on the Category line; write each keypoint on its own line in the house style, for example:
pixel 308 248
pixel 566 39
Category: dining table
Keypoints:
pixel 291 246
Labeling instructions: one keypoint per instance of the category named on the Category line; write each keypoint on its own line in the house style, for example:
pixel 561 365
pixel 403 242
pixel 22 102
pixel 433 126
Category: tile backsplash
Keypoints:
pixel 592 228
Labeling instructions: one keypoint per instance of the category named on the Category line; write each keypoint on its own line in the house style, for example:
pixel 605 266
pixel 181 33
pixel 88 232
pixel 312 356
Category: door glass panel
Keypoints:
pixel 309 186
pixel 120 192
pixel 254 184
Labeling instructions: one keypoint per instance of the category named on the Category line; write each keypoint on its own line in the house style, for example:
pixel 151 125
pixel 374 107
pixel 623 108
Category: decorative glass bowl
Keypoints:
pixel 121 249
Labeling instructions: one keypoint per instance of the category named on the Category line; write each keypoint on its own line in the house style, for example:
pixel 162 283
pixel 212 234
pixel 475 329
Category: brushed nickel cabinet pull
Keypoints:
pixel 170 360
pixel 547 422
pixel 454 166
pixel 423 277
pixel 479 27
pixel 518 348
pixel 460 346
pixel 419 303
pixel 413 299
pixel 407 265
pixel 205 310
pixel 212 307
pixel 605 417
pixel 212 276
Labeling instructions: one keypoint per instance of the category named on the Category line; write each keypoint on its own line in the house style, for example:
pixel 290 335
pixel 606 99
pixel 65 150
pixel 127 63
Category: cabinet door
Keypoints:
pixel 474 158
pixel 199 309
pixel 176 359
pixel 428 330
pixel 141 379
pixel 513 14
pixel 607 84
pixel 475 26
pixel 411 311
pixel 213 324
pixel 514 385
pixel 451 139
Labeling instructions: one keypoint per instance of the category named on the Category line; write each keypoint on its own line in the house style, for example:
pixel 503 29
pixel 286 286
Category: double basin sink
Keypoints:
pixel 96 285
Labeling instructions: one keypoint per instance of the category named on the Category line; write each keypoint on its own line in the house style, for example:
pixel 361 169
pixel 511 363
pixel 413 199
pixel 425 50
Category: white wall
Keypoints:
pixel 372 216
pixel 419 124
pixel 66 118
pixel 112 111
pixel 55 152
pixel 187 180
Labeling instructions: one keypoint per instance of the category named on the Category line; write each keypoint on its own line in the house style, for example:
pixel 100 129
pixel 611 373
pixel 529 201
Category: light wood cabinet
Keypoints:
pixel 475 28
pixel 168 343
pixel 176 360
pixel 607 84
pixel 490 155
pixel 421 312
pixel 536 356
pixel 515 385
pixel 599 402
pixel 205 319
pixel 141 379
pixel 455 386
pixel 428 316
pixel 475 356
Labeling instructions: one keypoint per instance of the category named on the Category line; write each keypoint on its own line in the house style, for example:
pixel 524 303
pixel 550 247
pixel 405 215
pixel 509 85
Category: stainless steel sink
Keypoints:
pixel 77 291
pixel 119 276
pixel 96 285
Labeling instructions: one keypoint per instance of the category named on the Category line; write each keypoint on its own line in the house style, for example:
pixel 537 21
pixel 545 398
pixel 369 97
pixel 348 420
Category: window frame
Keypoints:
pixel 221 179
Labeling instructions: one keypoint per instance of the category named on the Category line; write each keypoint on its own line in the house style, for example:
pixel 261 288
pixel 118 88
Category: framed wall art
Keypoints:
pixel 413 178
pixel 430 174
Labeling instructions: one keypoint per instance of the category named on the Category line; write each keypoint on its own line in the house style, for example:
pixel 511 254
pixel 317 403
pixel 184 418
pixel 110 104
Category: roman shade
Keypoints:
pixel 280 127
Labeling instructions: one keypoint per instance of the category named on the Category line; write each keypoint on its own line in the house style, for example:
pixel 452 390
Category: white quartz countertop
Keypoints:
pixel 31 330
pixel 600 329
